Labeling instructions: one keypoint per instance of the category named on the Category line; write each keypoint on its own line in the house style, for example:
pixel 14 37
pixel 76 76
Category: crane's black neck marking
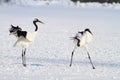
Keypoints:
pixel 36 27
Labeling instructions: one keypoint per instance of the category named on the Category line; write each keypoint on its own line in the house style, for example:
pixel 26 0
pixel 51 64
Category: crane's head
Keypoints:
pixel 37 20
pixel 88 30
pixel 13 30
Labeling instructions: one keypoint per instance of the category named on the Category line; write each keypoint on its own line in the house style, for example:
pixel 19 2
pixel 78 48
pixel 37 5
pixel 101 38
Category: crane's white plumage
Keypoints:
pixel 25 42
pixel 85 38
pixel 31 36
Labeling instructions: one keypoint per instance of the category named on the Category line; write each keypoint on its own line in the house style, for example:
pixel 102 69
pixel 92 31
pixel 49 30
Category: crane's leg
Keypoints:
pixel 90 58
pixel 23 57
pixel 72 56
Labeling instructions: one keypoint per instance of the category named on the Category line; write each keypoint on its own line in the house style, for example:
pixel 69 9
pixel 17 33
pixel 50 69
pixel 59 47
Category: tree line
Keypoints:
pixel 85 1
pixel 100 1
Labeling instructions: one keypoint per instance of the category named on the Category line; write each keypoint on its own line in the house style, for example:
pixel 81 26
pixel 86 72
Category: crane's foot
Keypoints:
pixel 93 67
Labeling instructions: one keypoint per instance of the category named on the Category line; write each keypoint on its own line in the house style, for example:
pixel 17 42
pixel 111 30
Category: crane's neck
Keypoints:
pixel 36 27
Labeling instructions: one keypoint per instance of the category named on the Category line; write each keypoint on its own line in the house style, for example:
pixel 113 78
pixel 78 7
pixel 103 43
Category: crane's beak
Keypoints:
pixel 90 32
pixel 41 22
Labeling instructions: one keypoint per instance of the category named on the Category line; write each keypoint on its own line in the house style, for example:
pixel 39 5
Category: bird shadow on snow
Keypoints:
pixel 108 64
pixel 99 64
pixel 55 61
pixel 36 64
pixel 40 62
pixel 33 64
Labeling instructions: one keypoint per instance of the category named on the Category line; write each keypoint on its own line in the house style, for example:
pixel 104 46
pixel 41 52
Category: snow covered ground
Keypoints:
pixel 49 56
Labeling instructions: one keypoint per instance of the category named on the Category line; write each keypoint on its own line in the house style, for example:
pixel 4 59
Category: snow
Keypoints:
pixel 48 57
